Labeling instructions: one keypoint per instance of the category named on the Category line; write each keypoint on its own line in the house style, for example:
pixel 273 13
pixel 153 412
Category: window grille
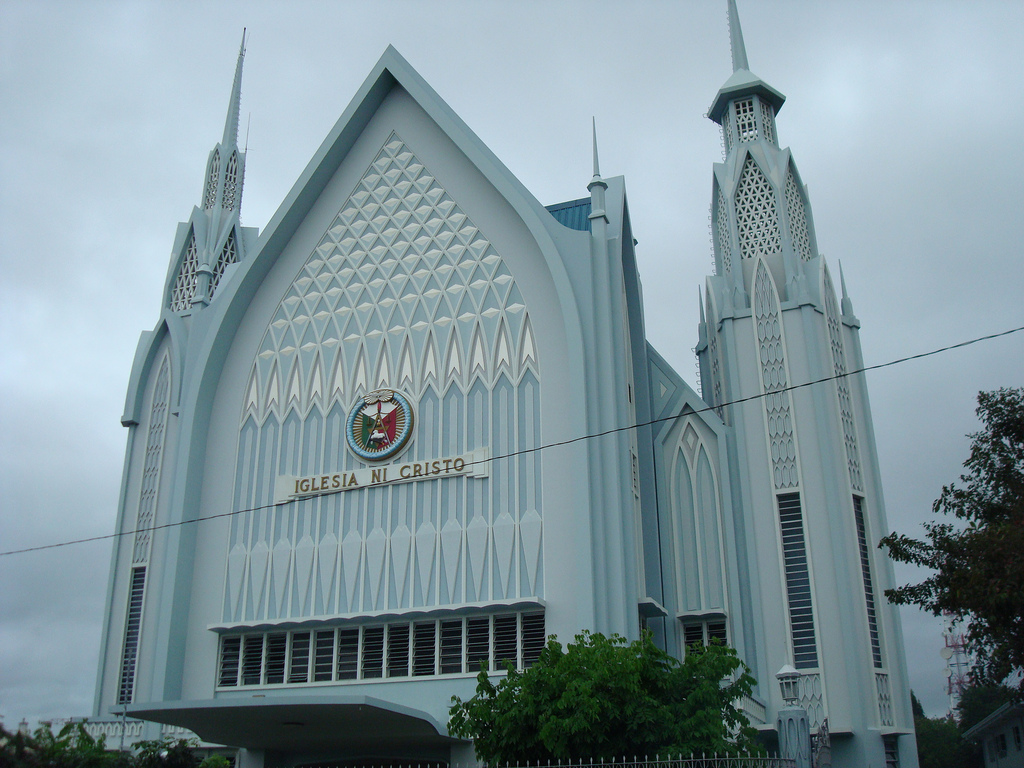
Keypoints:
pixel 798 582
pixel 869 592
pixel 132 629
pixel 746 125
pixel 228 255
pixel 727 133
pixel 722 227
pixel 757 218
pixel 231 183
pixel 835 335
pixel 398 649
pixel 185 283
pixel 210 198
pixel 151 468
pixel 768 120
pixel 774 380
pixel 797 215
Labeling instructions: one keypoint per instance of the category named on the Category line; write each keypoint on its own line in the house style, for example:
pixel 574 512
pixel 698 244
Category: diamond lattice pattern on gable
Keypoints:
pixel 403 288
pixel 757 217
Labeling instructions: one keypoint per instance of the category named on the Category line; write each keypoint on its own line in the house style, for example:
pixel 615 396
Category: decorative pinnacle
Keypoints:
pixel 597 167
pixel 739 51
pixel 700 301
pixel 231 123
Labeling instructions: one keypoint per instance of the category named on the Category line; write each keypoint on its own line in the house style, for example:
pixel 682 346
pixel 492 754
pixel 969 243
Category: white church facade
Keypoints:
pixel 350 478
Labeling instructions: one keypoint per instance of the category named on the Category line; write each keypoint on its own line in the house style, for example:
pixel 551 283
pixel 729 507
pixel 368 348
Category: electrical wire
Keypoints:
pixel 523 451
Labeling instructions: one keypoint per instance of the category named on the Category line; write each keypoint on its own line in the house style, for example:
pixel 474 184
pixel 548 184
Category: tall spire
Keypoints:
pixel 743 82
pixel 231 123
pixel 597 167
pixel 739 51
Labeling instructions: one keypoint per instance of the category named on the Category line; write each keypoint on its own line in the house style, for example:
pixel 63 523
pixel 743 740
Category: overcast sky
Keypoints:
pixel 905 120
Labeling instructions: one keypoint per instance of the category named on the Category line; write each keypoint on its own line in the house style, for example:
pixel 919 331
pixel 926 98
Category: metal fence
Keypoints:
pixel 693 761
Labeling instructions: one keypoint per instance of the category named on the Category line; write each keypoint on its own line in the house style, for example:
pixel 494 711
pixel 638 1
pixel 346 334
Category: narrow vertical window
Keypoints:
pixel 869 592
pixel 277 655
pixel 451 647
pixel 132 629
pixel 505 641
pixel 323 659
pixel 478 631
pixel 230 655
pixel 373 652
pixel 348 654
pixel 398 650
pixel 298 671
pixel 424 648
pixel 798 582
pixel 534 638
pixel 252 659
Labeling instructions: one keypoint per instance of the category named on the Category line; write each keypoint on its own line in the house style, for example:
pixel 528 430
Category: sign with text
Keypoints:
pixel 289 487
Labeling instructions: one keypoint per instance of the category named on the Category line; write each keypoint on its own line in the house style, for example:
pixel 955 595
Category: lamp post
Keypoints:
pixel 793 726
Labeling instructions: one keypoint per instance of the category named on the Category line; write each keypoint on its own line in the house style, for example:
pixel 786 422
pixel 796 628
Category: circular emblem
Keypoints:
pixel 379 425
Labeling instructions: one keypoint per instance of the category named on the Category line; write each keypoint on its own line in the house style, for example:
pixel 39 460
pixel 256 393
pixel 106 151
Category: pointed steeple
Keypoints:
pixel 597 187
pixel 215 240
pixel 743 82
pixel 739 50
pixel 226 166
pixel 231 123
pixel 846 305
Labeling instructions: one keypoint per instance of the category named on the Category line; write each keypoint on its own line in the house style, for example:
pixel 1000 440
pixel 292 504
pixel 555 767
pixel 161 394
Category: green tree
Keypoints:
pixel 71 747
pixel 602 697
pixel 166 753
pixel 979 560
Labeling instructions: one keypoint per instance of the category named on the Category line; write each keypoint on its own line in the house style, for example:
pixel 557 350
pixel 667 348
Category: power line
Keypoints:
pixel 535 449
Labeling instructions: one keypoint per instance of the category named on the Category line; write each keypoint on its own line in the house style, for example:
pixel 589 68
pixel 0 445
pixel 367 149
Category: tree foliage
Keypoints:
pixel 979 558
pixel 73 747
pixel 601 698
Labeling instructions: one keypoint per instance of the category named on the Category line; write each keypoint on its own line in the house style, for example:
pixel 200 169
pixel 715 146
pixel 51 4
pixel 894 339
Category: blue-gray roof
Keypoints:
pixel 573 214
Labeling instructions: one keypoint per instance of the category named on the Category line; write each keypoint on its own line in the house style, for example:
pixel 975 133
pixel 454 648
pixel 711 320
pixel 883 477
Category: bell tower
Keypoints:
pixel 804 458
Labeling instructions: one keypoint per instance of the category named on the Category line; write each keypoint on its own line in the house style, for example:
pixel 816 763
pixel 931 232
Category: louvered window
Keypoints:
pixel 398 649
pixel 373 652
pixel 704 632
pixel 324 658
pixel 798 582
pixel 298 671
pixel 348 654
pixel 869 590
pixel 132 630
pixel 424 648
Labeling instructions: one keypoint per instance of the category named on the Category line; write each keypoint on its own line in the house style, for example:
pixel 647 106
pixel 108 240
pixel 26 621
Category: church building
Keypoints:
pixel 414 425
